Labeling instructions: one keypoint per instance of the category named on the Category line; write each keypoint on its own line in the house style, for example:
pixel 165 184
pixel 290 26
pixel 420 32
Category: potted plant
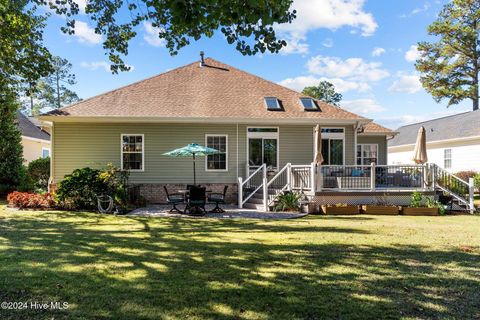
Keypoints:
pixel 340 209
pixel 422 207
pixel 382 206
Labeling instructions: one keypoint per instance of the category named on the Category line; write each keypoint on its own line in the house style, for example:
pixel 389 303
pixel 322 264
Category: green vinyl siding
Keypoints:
pixel 78 145
pixel 382 146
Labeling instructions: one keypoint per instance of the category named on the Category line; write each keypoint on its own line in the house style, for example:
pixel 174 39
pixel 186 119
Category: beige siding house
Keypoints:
pixel 254 122
pixel 35 141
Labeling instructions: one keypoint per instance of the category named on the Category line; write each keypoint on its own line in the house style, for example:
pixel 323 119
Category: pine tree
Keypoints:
pixel 449 67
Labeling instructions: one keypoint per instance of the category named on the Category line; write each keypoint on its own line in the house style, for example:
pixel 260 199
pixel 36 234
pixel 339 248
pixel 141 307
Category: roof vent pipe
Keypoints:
pixel 202 59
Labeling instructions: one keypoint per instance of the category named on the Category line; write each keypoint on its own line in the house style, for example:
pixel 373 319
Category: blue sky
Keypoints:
pixel 365 47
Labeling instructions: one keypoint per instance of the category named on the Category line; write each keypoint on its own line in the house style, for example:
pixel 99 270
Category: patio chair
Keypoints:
pixel 174 199
pixel 218 198
pixel 196 200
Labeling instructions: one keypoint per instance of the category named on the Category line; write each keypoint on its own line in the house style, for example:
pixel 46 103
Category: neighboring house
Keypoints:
pixel 453 142
pixel 35 141
pixel 262 129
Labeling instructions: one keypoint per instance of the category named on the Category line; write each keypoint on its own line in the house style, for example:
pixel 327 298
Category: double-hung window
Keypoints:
pixel 367 153
pixel 219 161
pixel 333 140
pixel 447 158
pixel 133 152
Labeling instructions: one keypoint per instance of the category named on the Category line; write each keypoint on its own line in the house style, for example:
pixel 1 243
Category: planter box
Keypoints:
pixel 422 211
pixel 348 210
pixel 309 207
pixel 380 210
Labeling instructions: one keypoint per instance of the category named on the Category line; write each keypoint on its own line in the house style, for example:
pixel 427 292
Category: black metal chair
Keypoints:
pixel 174 199
pixel 218 198
pixel 196 200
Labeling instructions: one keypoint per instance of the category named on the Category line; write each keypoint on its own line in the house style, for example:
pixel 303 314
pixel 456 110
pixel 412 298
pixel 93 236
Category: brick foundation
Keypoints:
pixel 155 193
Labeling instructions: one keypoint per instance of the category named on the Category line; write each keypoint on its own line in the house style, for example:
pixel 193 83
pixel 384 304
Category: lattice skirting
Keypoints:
pixel 359 198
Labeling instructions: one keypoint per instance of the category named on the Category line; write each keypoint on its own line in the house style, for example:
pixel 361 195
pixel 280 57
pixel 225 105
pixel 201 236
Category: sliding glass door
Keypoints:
pixel 262 148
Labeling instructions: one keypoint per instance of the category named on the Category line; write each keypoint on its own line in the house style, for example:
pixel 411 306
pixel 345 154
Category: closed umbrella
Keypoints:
pixel 192 150
pixel 318 158
pixel 420 151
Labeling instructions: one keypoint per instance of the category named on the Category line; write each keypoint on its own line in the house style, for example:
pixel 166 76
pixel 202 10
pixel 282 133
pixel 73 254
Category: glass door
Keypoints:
pixel 262 148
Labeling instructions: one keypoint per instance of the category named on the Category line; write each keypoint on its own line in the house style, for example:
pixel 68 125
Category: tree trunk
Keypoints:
pixel 58 90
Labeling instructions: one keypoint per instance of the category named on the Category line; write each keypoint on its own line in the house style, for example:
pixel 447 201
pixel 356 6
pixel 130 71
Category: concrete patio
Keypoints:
pixel 231 212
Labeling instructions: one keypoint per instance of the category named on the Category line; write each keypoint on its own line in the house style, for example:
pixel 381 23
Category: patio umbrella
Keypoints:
pixel 318 158
pixel 193 150
pixel 420 151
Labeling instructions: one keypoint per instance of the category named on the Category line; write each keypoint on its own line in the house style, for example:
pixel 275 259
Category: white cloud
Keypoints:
pixel 341 86
pixel 295 44
pixel 350 69
pixel 412 54
pixel 81 4
pixel 151 35
pixel 362 106
pixel 85 34
pixel 329 14
pixel 95 65
pixel 327 43
pixel 407 83
pixel 416 11
pixel 377 52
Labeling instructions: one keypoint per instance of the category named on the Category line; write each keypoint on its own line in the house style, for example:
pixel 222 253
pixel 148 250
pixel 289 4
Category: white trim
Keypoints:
pixel 361 153
pixel 435 142
pixel 263 135
pixel 237 156
pixel 49 152
pixel 226 152
pixel 35 139
pixel 143 151
pixel 222 120
pixel 277 107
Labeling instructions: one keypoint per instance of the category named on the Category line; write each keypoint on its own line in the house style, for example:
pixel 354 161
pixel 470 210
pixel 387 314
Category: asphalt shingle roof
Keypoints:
pixel 28 129
pixel 216 90
pixel 460 125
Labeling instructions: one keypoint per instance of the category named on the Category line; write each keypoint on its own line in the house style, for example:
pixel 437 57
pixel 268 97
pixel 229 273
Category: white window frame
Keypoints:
pixel 277 104
pixel 333 136
pixel 263 135
pixel 49 152
pixel 122 152
pixel 445 158
pixel 361 145
pixel 226 152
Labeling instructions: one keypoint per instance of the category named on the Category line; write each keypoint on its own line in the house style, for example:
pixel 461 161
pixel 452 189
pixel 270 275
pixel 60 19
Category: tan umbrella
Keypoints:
pixel 318 158
pixel 420 151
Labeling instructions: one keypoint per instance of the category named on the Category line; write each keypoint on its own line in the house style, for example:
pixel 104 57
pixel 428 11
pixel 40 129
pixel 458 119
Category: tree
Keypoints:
pixel 325 91
pixel 53 90
pixel 449 67
pixel 11 151
pixel 179 22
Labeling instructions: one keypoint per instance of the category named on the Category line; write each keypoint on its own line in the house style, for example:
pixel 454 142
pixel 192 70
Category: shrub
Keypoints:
pixel 476 181
pixel 465 175
pixel 416 200
pixel 24 200
pixel 79 190
pixel 288 201
pixel 39 172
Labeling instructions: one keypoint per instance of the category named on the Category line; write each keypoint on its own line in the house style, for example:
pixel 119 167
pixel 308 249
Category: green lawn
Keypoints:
pixel 318 267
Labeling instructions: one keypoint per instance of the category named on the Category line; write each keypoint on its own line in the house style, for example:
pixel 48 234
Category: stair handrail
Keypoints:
pixel 462 199
pixel 241 183
pixel 287 186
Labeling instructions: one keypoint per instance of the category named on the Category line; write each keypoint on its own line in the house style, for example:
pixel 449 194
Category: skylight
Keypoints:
pixel 308 103
pixel 272 103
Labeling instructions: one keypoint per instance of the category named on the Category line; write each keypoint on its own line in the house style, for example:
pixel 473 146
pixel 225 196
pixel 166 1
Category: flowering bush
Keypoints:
pixel 24 200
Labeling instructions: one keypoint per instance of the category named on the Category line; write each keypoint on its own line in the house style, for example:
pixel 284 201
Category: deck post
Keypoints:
pixel 265 188
pixel 313 172
pixel 471 191
pixel 240 192
pixel 289 176
pixel 372 176
pixel 434 175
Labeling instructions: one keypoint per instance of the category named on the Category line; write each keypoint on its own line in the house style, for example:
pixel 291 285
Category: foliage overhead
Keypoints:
pixel 449 67
pixel 247 24
pixel 324 91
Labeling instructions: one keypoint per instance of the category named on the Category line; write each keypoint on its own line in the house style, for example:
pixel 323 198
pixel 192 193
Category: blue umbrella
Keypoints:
pixel 193 149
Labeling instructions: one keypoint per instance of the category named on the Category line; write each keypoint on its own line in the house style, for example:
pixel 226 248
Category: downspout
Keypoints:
pixel 51 180
pixel 237 153
pixel 355 130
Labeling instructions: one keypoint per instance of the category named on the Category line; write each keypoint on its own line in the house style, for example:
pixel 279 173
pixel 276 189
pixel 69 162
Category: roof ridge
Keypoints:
pixel 123 87
pixel 286 88
pixel 417 123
